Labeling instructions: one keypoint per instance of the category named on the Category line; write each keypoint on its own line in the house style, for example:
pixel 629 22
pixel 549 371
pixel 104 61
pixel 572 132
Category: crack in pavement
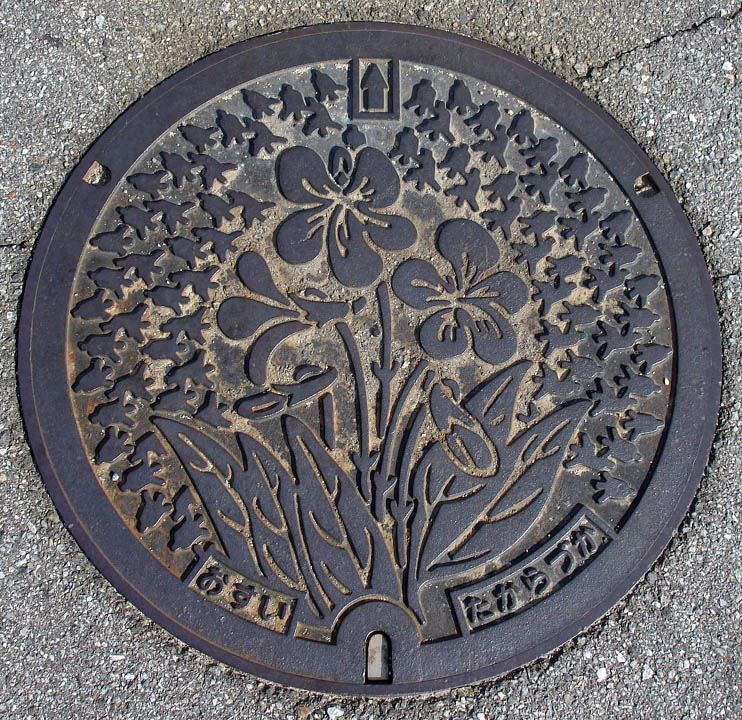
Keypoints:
pixel 730 17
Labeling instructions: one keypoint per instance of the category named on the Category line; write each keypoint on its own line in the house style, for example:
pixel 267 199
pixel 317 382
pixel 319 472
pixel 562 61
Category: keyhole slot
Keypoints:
pixel 378 658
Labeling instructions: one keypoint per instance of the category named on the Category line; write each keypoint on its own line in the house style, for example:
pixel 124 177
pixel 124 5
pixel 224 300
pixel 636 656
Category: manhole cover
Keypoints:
pixel 369 359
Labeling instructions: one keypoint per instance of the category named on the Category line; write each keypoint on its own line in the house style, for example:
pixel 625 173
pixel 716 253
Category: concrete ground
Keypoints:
pixel 670 73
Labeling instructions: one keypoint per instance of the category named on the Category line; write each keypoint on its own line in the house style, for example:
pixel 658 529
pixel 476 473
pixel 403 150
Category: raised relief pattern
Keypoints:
pixel 322 360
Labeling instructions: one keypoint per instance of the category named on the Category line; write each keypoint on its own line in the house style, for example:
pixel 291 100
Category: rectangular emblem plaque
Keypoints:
pixel 250 600
pixel 515 591
pixel 375 92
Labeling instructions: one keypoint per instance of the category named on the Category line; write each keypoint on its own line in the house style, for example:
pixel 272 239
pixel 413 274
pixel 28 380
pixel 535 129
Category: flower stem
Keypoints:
pixel 392 428
pixel 363 461
pixel 386 369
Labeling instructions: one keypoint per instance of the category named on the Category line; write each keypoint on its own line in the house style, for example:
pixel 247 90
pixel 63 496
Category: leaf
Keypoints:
pixel 241 484
pixel 493 400
pixel 488 515
pixel 465 520
pixel 334 519
pixel 608 488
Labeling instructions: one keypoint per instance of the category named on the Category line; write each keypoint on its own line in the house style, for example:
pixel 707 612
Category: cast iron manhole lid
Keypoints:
pixel 369 359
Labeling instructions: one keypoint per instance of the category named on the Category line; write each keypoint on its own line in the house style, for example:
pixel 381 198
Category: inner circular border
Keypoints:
pixel 41 335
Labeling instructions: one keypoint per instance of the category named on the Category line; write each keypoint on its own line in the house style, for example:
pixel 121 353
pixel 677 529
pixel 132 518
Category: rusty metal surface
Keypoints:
pixel 331 339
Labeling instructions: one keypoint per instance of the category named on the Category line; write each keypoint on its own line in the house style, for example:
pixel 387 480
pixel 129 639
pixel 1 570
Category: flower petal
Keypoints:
pixel 352 261
pixel 299 237
pixel 443 335
pixel 469 248
pixel 256 362
pixel 507 290
pixel 310 387
pixel 300 166
pixel 340 165
pixel 471 450
pixel 263 405
pixel 375 177
pixel 321 311
pixel 494 341
pixel 239 318
pixel 445 411
pixel 253 270
pixel 463 437
pixel 417 283
pixel 390 232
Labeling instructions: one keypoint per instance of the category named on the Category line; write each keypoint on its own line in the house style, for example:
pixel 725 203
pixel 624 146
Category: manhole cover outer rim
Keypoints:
pixel 651 212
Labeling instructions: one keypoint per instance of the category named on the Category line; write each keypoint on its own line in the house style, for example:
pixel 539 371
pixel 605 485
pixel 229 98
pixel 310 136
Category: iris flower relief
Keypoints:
pixel 269 321
pixel 471 307
pixel 342 208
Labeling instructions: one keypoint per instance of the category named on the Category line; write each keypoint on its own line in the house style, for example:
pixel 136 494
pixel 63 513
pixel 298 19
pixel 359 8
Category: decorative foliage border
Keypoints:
pixel 567 313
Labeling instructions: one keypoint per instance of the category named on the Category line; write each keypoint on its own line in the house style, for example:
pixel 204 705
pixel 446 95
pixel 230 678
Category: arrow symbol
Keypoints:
pixel 374 88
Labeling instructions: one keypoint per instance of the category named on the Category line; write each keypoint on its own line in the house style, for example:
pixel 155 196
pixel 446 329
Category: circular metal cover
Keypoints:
pixel 369 359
